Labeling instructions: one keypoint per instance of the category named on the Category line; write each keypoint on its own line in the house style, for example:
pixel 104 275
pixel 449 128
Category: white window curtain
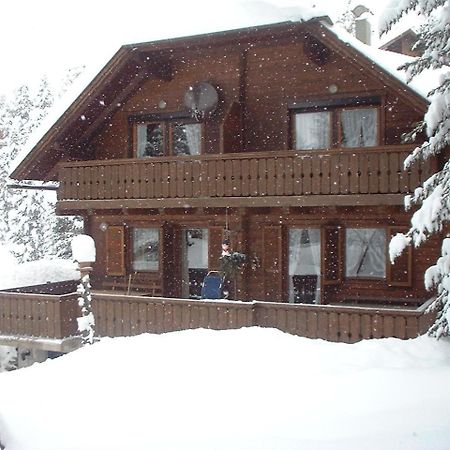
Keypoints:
pixel 365 252
pixel 312 130
pixel 359 127
pixel 304 256
pixel 197 248
pixel 141 135
pixel 193 137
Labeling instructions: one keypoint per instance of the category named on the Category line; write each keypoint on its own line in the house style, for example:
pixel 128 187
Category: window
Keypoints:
pixel 304 265
pixel 312 130
pixel 145 257
pixel 359 127
pixel 186 138
pixel 365 250
pixel 337 125
pixel 175 138
pixel 150 140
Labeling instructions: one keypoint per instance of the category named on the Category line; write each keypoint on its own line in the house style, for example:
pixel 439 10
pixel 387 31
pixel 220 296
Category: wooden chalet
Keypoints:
pixel 404 43
pixel 283 138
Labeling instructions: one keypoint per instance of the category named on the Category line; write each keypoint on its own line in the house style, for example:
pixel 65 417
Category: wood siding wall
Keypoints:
pixel 351 171
pixel 262 234
pixel 263 77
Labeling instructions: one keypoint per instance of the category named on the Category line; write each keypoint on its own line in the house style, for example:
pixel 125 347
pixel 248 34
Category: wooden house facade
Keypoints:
pixel 298 162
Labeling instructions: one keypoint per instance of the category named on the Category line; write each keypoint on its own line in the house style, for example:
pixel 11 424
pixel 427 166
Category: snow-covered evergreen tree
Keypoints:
pixel 433 197
pixel 28 224
pixel 347 18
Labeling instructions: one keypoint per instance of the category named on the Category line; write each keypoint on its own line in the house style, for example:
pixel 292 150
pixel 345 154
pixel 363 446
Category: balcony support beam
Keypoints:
pixel 71 206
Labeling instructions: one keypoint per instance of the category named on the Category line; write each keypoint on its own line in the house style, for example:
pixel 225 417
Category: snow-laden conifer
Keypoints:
pixel 433 197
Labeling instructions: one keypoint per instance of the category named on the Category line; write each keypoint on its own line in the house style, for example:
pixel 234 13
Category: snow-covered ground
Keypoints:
pixel 251 388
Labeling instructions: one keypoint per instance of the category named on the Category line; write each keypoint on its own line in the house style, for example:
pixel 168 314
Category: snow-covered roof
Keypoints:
pixel 390 62
pixel 239 15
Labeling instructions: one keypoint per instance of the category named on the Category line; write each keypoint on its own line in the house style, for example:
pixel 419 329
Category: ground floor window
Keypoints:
pixel 304 265
pixel 145 256
pixel 365 250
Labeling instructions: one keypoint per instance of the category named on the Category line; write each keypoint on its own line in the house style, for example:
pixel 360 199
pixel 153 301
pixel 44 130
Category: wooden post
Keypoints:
pixel 83 251
pixel 86 323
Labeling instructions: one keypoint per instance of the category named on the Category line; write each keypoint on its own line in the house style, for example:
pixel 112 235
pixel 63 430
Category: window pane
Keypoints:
pixel 150 140
pixel 197 248
pixel 365 252
pixel 312 130
pixel 187 139
pixel 304 265
pixel 145 249
pixel 359 127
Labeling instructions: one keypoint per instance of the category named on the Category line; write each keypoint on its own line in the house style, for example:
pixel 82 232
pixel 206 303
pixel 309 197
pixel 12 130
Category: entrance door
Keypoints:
pixel 304 265
pixel 194 261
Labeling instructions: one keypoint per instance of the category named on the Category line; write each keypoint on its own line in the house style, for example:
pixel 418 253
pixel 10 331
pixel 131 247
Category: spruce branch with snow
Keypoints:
pixel 433 197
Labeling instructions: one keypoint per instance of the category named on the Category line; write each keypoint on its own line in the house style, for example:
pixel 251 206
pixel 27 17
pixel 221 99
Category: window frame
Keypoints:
pixel 167 125
pixel 335 107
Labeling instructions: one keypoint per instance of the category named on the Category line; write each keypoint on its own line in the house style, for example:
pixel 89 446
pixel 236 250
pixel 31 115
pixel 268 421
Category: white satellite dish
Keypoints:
pixel 201 99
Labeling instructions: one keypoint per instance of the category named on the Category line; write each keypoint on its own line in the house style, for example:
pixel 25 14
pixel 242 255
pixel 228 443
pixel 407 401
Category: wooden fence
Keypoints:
pixel 288 173
pixel 131 315
pixel 38 315
pixel 54 316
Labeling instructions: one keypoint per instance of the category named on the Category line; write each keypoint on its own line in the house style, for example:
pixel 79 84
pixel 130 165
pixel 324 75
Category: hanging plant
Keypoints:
pixel 230 262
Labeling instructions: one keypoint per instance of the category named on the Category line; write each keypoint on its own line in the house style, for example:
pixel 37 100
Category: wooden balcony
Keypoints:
pixel 366 176
pixel 42 318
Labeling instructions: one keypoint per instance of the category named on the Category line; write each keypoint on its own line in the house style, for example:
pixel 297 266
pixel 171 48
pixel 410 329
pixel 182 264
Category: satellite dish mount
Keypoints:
pixel 201 99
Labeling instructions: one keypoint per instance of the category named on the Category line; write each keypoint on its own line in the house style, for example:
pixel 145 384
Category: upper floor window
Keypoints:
pixel 167 138
pixel 341 124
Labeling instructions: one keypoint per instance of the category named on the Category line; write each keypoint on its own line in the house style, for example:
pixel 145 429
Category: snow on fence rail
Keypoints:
pixel 54 316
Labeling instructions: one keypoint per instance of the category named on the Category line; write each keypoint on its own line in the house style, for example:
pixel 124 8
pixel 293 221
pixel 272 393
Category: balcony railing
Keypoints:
pixel 26 316
pixel 339 172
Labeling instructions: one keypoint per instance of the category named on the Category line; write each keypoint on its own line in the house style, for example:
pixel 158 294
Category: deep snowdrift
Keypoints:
pixel 243 389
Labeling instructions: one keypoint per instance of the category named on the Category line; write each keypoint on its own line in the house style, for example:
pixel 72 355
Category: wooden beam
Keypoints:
pixel 114 106
pixel 234 202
